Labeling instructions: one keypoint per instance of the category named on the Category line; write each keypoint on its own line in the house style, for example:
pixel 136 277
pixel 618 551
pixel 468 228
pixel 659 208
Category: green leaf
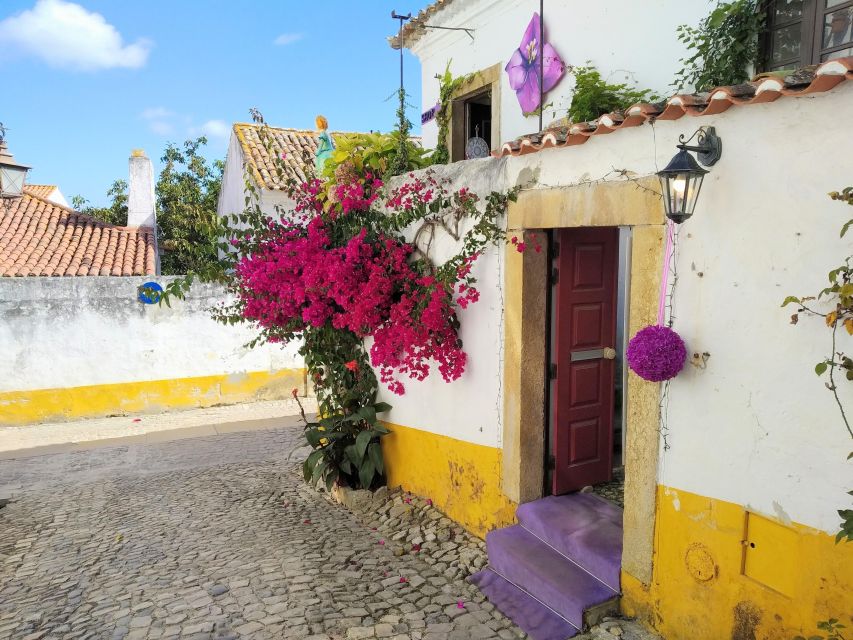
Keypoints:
pixel 374 452
pixel 790 299
pixel 820 368
pixel 361 441
pixel 310 464
pixel 382 407
pixel 319 470
pixel 366 473
pixel 352 455
pixel 313 436
pixel 330 479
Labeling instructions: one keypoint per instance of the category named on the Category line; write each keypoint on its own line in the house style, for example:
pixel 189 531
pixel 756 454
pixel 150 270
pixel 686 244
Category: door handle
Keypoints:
pixel 608 353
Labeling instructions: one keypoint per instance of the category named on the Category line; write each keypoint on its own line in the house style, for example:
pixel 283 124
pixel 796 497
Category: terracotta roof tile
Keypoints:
pixel 764 88
pixel 40 190
pixel 41 238
pixel 298 145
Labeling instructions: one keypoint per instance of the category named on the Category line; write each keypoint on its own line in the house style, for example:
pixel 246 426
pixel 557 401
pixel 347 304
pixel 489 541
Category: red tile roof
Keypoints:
pixel 765 88
pixel 41 238
pixel 298 145
pixel 40 190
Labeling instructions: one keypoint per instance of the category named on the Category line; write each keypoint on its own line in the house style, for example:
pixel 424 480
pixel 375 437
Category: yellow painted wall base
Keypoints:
pixel 711 583
pixel 462 479
pixel 147 396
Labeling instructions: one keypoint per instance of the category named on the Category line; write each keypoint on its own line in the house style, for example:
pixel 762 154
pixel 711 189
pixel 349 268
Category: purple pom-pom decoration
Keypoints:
pixel 656 353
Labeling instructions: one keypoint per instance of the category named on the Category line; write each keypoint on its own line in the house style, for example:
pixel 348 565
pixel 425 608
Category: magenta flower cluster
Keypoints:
pixel 656 353
pixel 296 278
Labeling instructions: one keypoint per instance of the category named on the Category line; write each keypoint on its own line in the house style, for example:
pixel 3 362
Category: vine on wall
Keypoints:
pixel 838 298
pixel 448 86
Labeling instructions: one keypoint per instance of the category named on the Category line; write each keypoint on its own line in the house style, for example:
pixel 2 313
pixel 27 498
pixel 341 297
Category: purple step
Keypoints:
pixel 534 618
pixel 521 558
pixel 581 526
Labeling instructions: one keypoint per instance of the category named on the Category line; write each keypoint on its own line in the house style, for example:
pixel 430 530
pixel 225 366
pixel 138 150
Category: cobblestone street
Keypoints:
pixel 210 537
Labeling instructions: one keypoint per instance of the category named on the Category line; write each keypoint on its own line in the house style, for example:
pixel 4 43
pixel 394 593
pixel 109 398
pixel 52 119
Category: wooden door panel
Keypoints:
pixel 586 326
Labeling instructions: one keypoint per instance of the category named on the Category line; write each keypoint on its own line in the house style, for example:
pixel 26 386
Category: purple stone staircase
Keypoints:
pixel 561 559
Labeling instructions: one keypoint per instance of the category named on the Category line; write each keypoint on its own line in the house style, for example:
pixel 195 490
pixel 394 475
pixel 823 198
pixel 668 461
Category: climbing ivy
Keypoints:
pixel 723 47
pixel 839 315
pixel 448 86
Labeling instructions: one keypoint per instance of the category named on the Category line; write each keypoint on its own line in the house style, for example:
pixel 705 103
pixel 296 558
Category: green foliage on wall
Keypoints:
pixel 448 86
pixel 723 47
pixel 594 96
pixel 838 296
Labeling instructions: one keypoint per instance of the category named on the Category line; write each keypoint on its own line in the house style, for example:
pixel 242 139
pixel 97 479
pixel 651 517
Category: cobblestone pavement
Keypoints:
pixel 213 537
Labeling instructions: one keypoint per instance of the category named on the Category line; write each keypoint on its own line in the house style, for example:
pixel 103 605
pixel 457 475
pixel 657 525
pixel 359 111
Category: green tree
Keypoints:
pixel 187 192
pixel 114 213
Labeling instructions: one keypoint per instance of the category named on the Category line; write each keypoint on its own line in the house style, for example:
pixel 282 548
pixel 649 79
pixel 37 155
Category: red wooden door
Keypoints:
pixel 582 435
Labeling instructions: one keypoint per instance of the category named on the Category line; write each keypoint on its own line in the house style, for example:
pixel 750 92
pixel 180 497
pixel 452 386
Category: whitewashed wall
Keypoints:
pixel 624 39
pixel 69 332
pixel 756 427
pixel 232 194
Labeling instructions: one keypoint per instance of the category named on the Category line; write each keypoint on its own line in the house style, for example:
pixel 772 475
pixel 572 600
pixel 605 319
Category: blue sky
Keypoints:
pixel 87 81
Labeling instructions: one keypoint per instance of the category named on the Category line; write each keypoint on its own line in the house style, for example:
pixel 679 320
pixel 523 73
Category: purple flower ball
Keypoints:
pixel 656 353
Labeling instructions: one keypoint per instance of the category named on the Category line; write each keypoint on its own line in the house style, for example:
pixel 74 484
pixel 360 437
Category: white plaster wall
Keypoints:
pixel 232 193
pixel 623 38
pixel 57 198
pixel 68 332
pixel 756 427
pixel 469 408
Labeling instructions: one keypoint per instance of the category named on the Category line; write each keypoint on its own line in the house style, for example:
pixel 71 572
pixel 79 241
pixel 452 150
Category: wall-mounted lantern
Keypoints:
pixel 682 178
pixel 12 174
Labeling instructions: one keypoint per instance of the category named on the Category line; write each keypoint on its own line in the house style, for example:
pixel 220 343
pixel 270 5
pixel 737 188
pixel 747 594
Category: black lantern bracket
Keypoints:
pixel 708 147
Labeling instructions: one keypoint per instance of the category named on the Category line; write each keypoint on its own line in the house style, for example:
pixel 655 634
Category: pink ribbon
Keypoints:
pixel 664 281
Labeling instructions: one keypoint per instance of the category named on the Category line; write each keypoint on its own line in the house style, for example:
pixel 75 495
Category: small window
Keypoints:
pixel 804 32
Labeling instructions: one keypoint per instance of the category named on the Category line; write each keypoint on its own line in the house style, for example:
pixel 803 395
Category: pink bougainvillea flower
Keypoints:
pixel 352 365
pixel 460 605
pixel 403 579
pixel 137 419
pixel 381 542
pixel 416 547
pixel 407 500
pixel 306 522
pixel 523 68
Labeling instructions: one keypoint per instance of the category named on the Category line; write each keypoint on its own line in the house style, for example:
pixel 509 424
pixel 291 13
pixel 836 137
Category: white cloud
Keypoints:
pixel 288 38
pixel 160 120
pixel 154 113
pixel 64 35
pixel 215 129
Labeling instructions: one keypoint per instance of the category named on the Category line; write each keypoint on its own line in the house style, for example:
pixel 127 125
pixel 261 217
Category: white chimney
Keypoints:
pixel 141 210
pixel 140 197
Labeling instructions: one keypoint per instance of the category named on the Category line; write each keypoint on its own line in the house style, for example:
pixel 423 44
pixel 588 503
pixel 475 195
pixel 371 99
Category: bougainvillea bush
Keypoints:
pixel 338 270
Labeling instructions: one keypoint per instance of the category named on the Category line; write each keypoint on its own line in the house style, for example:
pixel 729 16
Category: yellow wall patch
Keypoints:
pixel 710 580
pixel 462 479
pixel 146 396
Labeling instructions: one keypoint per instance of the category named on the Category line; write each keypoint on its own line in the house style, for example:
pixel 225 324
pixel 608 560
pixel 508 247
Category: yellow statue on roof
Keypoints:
pixel 325 145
